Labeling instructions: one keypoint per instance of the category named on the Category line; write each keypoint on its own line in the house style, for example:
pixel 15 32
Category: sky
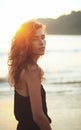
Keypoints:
pixel 15 12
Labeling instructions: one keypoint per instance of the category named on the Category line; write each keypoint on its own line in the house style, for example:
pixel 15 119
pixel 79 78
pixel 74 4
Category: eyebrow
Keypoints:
pixel 39 35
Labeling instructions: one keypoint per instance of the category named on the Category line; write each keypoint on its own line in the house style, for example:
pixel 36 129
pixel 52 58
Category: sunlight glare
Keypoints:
pixel 16 12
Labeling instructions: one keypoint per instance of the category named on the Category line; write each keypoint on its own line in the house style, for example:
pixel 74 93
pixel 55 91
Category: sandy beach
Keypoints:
pixel 63 108
pixel 65 111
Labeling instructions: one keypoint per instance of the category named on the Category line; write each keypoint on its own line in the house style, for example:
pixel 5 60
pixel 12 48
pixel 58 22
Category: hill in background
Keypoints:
pixel 65 24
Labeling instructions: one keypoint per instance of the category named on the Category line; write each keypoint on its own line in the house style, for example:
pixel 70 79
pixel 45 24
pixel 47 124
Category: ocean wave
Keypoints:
pixel 67 82
pixel 64 51
pixel 2 80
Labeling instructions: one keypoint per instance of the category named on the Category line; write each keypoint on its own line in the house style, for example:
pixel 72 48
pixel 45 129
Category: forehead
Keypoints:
pixel 39 31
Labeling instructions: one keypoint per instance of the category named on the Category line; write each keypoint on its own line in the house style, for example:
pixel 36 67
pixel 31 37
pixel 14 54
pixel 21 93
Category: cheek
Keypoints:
pixel 34 46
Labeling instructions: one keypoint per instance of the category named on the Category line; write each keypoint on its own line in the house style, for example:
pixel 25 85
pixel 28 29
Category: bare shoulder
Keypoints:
pixel 33 70
pixel 34 88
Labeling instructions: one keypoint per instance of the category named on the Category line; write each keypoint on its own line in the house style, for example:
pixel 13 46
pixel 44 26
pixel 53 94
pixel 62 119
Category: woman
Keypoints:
pixel 26 76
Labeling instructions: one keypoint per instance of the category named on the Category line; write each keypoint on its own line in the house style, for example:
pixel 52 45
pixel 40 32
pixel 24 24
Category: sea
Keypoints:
pixel 61 64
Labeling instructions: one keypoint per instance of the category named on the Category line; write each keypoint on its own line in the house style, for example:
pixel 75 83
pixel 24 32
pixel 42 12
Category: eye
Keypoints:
pixel 35 38
pixel 43 37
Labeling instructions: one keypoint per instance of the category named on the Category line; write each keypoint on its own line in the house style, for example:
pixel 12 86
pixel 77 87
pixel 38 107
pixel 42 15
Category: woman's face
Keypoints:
pixel 38 43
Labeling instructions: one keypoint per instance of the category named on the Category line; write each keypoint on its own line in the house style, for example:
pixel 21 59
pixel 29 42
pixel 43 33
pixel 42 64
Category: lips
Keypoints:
pixel 42 48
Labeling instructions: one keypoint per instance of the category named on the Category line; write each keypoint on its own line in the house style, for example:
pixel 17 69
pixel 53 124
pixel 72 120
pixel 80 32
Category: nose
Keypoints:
pixel 42 42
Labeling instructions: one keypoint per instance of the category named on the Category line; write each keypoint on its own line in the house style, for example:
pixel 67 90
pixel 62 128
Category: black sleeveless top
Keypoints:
pixel 23 113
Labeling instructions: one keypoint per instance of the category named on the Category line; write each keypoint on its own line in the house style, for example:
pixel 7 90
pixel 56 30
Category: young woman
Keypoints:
pixel 25 76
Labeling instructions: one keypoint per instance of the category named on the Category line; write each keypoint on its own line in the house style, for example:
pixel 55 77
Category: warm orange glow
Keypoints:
pixel 15 12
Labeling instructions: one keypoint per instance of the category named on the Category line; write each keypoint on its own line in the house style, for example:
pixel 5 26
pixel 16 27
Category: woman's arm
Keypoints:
pixel 34 90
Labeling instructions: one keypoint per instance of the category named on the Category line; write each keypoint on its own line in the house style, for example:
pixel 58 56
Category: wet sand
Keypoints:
pixel 65 111
pixel 63 108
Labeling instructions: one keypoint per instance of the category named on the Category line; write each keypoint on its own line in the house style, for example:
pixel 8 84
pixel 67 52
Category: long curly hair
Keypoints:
pixel 20 52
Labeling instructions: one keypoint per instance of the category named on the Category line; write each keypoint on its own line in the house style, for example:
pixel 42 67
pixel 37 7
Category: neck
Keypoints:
pixel 36 59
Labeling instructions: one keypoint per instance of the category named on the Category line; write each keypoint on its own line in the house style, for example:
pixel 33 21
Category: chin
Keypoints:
pixel 42 54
